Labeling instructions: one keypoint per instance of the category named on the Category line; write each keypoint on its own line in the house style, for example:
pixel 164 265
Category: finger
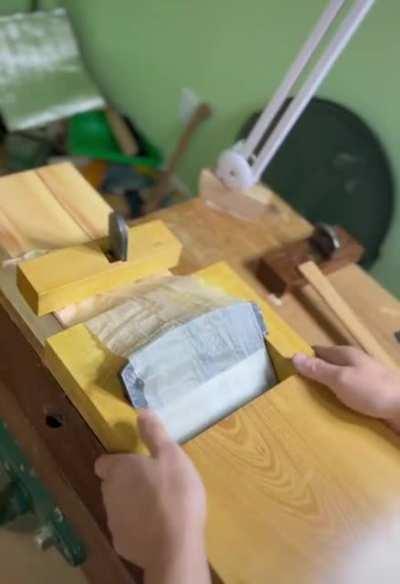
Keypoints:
pixel 153 432
pixel 340 355
pixel 106 464
pixel 316 369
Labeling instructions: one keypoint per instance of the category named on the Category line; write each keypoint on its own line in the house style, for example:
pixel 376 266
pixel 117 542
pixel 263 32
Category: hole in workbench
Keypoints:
pixel 54 420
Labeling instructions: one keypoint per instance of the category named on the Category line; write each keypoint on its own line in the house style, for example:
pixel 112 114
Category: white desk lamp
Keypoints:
pixel 239 168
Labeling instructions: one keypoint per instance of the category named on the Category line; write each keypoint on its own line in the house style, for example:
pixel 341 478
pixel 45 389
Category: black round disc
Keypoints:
pixel 332 168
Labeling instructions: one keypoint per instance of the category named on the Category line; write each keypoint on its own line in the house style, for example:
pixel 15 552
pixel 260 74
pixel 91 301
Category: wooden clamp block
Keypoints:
pixel 278 269
pixel 65 276
pixel 89 372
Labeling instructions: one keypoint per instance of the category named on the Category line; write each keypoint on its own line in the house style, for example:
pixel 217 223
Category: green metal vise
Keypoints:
pixel 22 493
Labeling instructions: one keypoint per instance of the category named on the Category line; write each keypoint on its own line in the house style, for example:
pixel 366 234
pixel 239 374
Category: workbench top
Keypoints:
pixel 294 480
pixel 209 236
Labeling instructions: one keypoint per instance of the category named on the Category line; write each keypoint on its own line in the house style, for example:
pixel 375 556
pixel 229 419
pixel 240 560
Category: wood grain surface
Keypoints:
pixel 94 386
pixel 46 212
pixel 62 277
pixel 46 209
pixel 346 315
pixel 49 208
pixel 209 236
pixel 296 483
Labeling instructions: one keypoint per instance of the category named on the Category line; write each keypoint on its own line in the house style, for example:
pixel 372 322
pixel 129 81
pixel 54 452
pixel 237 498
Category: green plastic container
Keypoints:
pixel 89 134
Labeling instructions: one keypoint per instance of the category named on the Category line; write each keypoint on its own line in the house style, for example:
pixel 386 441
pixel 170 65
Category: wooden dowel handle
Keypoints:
pixel 155 197
pixel 121 132
pixel 344 313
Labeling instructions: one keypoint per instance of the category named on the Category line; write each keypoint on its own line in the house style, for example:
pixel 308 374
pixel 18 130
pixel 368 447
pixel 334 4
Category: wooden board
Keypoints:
pixel 378 309
pixel 210 236
pixel 83 311
pixel 311 459
pixel 288 476
pixel 88 371
pixel 296 483
pixel 346 316
pixel 65 276
pixel 48 208
pixel 248 204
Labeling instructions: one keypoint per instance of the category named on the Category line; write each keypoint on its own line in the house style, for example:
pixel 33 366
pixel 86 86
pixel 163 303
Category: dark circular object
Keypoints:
pixel 333 169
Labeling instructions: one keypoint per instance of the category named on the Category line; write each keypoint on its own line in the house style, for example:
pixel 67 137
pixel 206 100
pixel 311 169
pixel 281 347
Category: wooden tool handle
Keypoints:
pixel 344 313
pixel 121 132
pixel 155 197
pixel 200 114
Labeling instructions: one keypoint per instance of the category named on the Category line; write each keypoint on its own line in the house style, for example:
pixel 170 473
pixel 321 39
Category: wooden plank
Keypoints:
pixel 250 204
pixel 34 219
pixel 344 313
pixel 48 208
pixel 287 476
pixel 93 383
pixel 291 494
pixel 210 236
pixel 309 457
pixel 69 275
pixel 379 309
pixel 78 198
pixel 64 457
pixel 83 311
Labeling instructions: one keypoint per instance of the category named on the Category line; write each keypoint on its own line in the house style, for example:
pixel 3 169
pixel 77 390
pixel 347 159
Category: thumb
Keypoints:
pixel 153 432
pixel 316 369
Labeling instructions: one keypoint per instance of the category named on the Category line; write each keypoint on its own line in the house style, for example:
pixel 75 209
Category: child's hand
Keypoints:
pixel 357 380
pixel 156 506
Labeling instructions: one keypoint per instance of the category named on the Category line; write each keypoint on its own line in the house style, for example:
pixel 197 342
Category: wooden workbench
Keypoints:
pixel 209 236
pixel 309 508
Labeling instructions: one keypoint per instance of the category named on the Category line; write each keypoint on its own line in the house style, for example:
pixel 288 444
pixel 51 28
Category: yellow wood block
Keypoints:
pixel 77 198
pixel 296 485
pixel 63 277
pixel 88 372
pixel 51 207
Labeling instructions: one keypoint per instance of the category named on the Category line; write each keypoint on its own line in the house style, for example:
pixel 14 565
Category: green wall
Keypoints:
pixel 233 54
pixel 11 6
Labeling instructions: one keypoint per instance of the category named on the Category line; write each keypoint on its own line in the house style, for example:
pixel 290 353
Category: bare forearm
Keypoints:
pixel 180 565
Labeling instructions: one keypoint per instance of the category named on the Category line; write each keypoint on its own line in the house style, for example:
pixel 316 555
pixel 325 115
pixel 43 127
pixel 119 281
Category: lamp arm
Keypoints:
pixel 293 74
pixel 239 168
